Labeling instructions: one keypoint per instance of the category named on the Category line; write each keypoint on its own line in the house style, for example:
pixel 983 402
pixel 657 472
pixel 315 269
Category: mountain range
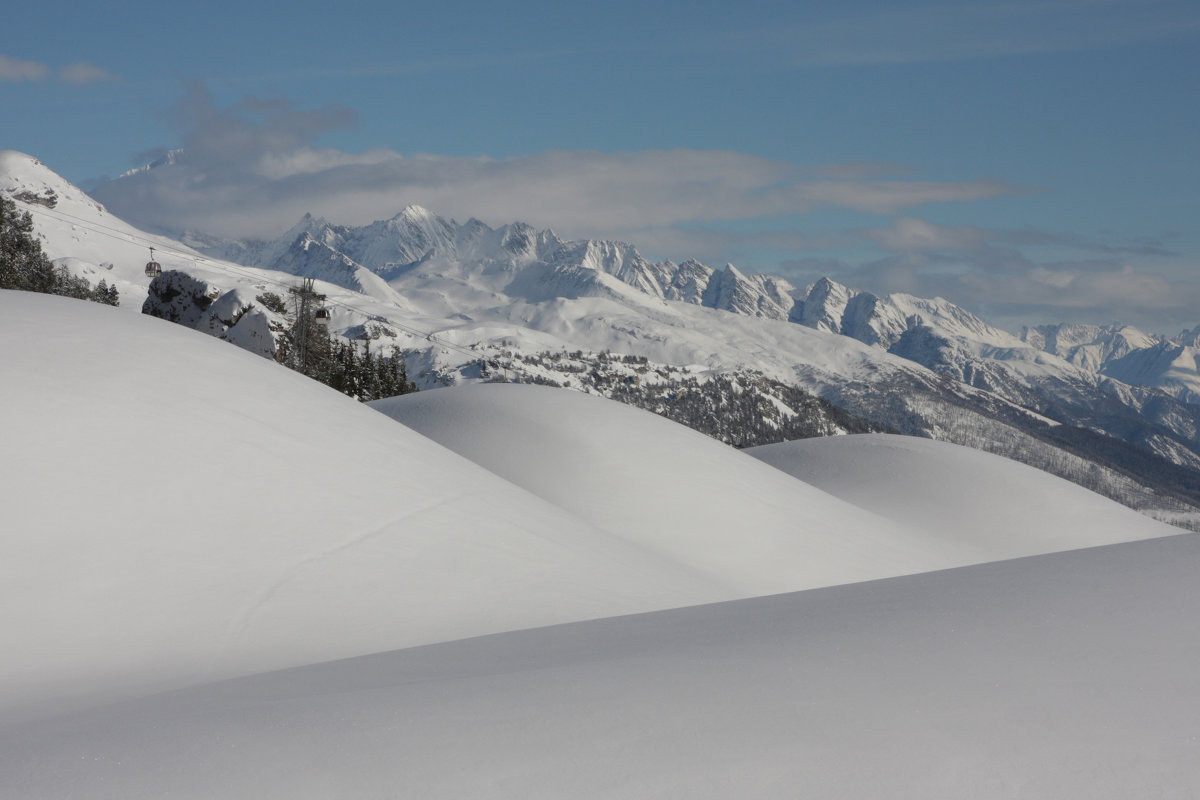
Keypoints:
pixel 418 240
pixel 1110 407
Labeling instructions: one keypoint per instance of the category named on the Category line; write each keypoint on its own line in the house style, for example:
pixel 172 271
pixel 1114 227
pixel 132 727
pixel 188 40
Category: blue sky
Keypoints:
pixel 1033 161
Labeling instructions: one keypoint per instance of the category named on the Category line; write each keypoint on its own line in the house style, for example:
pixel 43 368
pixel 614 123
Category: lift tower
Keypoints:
pixel 306 300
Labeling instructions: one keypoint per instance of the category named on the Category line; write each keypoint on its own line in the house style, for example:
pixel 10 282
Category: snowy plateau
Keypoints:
pixel 222 579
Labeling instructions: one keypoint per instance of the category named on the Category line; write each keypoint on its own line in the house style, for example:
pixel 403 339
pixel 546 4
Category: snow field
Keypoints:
pixel 178 510
pixel 1064 675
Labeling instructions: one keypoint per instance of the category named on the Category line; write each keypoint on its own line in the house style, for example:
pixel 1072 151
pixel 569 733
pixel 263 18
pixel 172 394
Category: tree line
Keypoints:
pixel 25 267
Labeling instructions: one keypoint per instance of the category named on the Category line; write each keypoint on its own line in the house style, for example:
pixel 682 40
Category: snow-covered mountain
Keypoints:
pixel 1110 379
pixel 223 579
pixel 467 301
pixel 934 333
pixel 1127 354
pixel 1137 393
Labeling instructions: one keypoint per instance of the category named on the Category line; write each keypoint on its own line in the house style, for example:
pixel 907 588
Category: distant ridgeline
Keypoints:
pixel 25 267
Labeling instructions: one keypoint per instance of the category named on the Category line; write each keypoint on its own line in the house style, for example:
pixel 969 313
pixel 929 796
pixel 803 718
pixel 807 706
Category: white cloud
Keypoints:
pixel 251 170
pixel 910 235
pixel 82 73
pixel 575 192
pixel 14 69
pixel 1011 289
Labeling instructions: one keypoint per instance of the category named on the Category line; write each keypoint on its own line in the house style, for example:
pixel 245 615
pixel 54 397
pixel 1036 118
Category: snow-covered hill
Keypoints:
pixel 185 517
pixel 580 452
pixel 234 516
pixel 1066 675
pixel 76 230
pixel 177 510
pixel 936 487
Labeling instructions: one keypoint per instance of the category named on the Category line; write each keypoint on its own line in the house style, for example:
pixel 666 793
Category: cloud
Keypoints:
pixel 1017 277
pixel 859 170
pixel 13 69
pixel 81 73
pixel 998 275
pixel 941 32
pixel 253 168
pixel 910 235
pixel 16 70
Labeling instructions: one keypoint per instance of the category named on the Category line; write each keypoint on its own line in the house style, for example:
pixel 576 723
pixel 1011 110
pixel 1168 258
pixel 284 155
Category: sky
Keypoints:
pixel 1032 161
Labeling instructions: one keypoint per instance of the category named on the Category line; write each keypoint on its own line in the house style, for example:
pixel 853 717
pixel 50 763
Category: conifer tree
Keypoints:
pixel 23 265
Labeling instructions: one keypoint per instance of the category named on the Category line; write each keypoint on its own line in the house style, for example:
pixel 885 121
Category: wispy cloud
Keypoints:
pixel 253 168
pixel 250 169
pixel 81 73
pixel 16 70
pixel 895 33
pixel 1010 275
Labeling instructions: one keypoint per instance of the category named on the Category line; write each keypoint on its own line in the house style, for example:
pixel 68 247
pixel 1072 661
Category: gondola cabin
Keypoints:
pixel 323 316
pixel 153 268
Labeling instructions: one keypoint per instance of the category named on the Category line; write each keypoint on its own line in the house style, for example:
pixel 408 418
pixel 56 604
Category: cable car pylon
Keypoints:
pixel 306 298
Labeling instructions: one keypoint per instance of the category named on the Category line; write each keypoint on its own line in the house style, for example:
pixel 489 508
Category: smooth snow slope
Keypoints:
pixel 652 481
pixel 1060 676
pixel 703 503
pixel 1002 507
pixel 177 510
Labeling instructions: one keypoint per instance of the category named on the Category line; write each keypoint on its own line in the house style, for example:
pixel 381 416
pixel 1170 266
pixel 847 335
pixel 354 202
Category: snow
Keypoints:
pixel 526 592
pixel 956 493
pixel 1067 675
pixel 179 510
pixel 651 481
pixel 235 517
pixel 697 501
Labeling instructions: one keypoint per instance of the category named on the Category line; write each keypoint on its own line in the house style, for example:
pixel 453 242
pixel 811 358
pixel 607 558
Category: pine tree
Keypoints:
pixel 22 263
pixel 24 266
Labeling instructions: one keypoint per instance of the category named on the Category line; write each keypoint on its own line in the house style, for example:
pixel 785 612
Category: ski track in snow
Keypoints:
pixel 242 620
